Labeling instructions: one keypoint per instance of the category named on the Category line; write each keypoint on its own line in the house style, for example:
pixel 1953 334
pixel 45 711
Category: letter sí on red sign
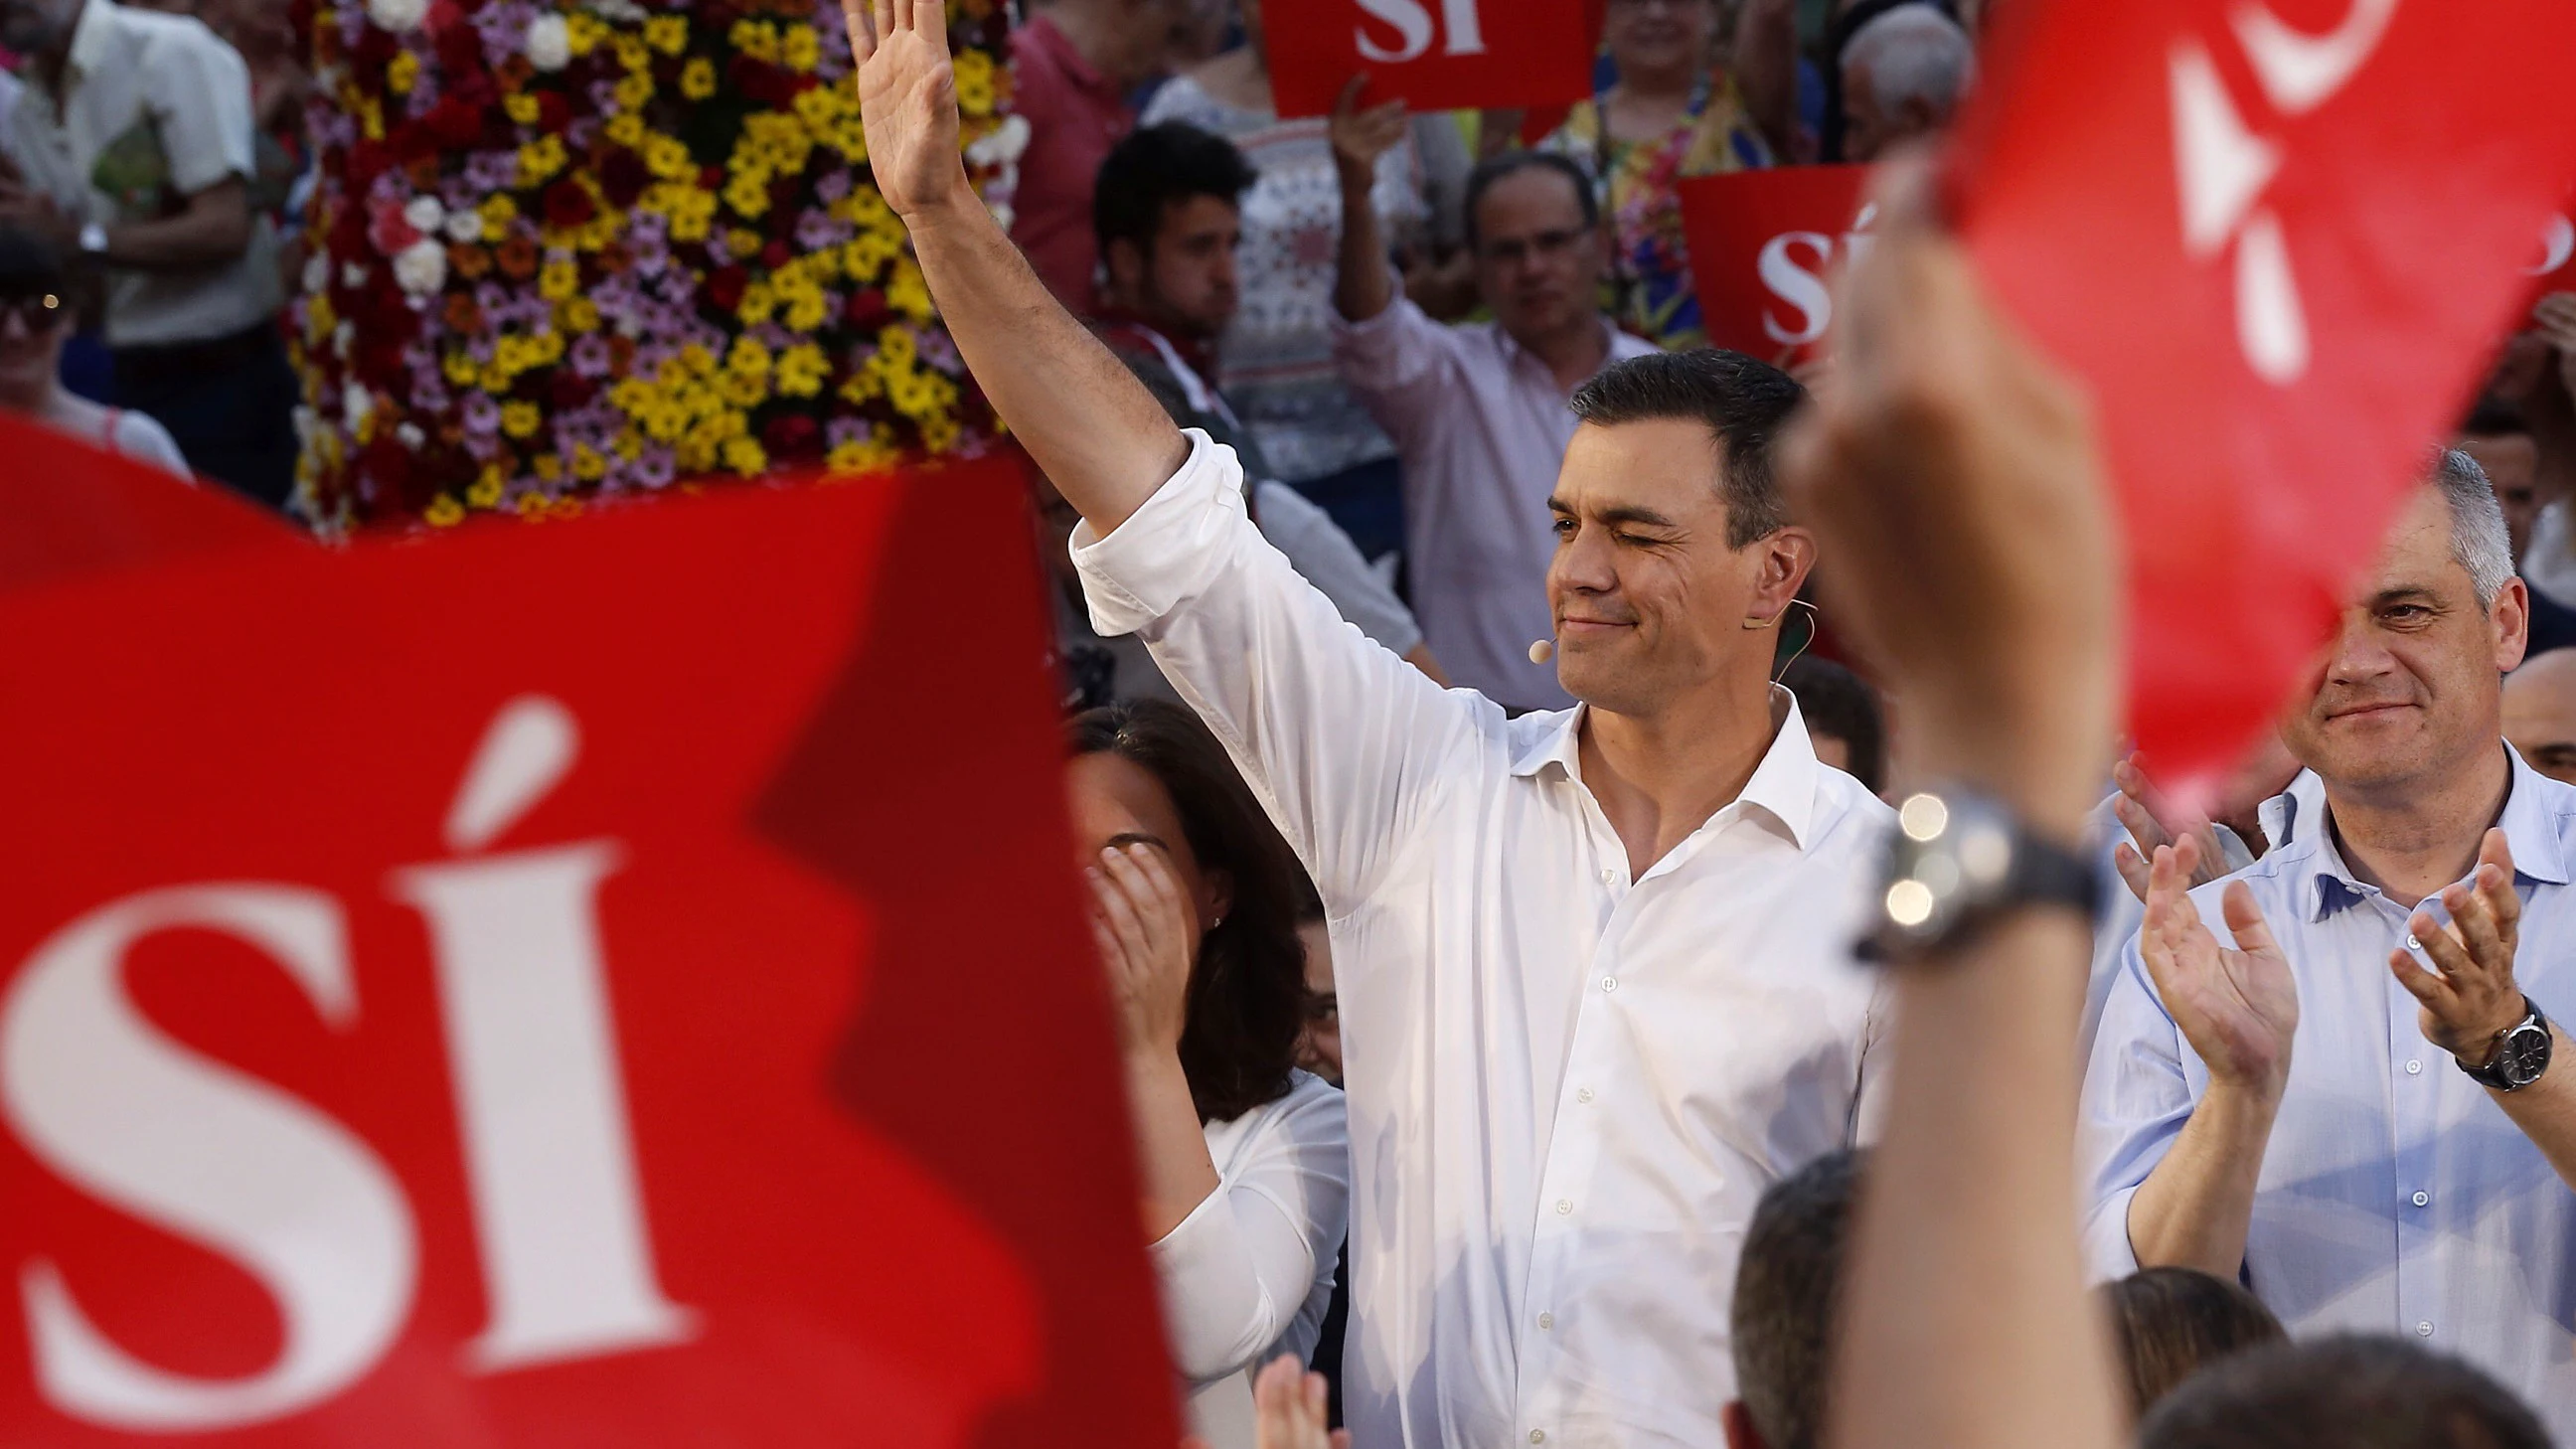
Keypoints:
pixel 1434 55
pixel 2280 242
pixel 1765 247
pixel 545 986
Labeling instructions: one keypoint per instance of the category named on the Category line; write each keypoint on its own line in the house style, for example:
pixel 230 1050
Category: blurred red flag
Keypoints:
pixel 1434 55
pixel 612 983
pixel 2281 239
pixel 1764 246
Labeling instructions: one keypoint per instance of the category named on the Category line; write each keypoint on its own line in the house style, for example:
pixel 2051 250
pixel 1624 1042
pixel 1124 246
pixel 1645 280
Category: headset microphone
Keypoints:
pixel 1542 651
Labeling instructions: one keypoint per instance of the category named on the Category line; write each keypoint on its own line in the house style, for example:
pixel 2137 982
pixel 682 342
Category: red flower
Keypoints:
pixel 623 176
pixel 554 112
pixel 454 123
pixel 568 204
pixel 760 81
pixel 774 255
pixel 460 53
pixel 711 177
pixel 568 390
pixel 387 231
pixel 725 287
pixel 793 438
pixel 867 310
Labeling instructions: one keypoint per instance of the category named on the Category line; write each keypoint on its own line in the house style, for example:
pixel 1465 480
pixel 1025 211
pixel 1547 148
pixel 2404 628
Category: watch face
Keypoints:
pixel 2524 1055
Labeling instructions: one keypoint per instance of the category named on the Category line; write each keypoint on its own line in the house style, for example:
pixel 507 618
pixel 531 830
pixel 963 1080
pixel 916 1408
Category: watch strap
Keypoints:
pixel 2493 1074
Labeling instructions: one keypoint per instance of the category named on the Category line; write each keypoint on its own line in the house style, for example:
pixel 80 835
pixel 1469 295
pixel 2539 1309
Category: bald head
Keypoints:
pixel 2540 712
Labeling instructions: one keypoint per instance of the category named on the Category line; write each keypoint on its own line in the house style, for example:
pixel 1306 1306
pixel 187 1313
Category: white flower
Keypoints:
pixel 410 435
pixel 465 226
pixel 421 268
pixel 398 15
pixel 353 275
pixel 624 12
pixel 344 338
pixel 549 43
pixel 317 272
pixel 356 403
pixel 424 213
pixel 1003 143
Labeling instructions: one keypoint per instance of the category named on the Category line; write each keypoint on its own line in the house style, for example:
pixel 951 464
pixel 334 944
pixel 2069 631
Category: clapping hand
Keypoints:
pixel 1289 1404
pixel 2237 1007
pixel 2474 1000
pixel 1147 936
pixel 2152 820
pixel 908 102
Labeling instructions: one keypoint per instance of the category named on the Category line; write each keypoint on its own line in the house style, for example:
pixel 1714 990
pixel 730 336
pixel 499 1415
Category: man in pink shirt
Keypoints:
pixel 1478 412
pixel 1074 65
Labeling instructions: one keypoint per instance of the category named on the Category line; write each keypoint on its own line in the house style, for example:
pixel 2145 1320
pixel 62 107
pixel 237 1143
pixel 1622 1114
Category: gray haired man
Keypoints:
pixel 2405 1170
pixel 1903 76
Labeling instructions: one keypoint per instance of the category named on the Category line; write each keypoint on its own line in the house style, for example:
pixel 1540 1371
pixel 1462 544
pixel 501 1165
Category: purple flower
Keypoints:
pixel 815 231
pixel 844 430
pixel 482 446
pixel 603 97
pixel 590 356
pixel 833 185
pixel 489 171
pixel 482 416
pixel 656 467
pixel 937 350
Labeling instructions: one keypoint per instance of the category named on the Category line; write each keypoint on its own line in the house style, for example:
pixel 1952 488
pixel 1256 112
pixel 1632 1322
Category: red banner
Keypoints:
pixel 1434 55
pixel 544 987
pixel 2280 241
pixel 1764 247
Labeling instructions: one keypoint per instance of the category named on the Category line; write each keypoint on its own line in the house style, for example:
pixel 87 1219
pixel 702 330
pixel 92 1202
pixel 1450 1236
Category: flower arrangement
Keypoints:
pixel 561 249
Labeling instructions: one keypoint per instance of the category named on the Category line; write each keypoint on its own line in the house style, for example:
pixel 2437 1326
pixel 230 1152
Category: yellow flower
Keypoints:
pixel 443 512
pixel 547 467
pixel 580 314
pixel 558 280
pixel 695 454
pixel 667 158
pixel 588 463
pixel 460 368
pixel 940 432
pixel 698 78
pixel 755 38
pixel 625 128
pixel 492 379
pixel 486 492
pixel 532 505
pixel 371 119
pixel 541 158
pixel 634 90
pixel 697 359
pixel 402 73
pixel 807 310
pixel 631 51
pixel 759 302
pixel 744 241
pixel 748 356
pixel 522 108
pixel 745 456
pixel 862 386
pixel 497 211
pixel 744 389
pixel 801 49
pixel 587 31
pixel 519 418
pixel 802 370
pixel 668 34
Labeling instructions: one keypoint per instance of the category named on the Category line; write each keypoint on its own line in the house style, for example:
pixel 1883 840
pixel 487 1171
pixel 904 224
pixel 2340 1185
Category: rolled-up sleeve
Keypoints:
pixel 1401 365
pixel 1238 1273
pixel 1343 742
pixel 200 93
pixel 2137 1097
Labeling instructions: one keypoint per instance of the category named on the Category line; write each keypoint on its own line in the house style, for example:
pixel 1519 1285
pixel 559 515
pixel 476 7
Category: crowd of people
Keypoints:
pixel 1477 834
pixel 1591 845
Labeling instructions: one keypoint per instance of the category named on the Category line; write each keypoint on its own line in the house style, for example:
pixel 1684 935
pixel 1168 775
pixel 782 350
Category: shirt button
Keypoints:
pixel 2423 1330
pixel 1608 877
pixel 1609 983
pixel 1583 1094
pixel 2423 1199
pixel 2413 945
pixel 2414 1068
pixel 1564 1207
pixel 1538 1436
pixel 1547 1320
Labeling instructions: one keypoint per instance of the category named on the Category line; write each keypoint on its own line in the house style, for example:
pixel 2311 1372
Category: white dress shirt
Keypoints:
pixel 155 107
pixel 1248 1275
pixel 1567 1088
pixel 1481 427
pixel 2395 1195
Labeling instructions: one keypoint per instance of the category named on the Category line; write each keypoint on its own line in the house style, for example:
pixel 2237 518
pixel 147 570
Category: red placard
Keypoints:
pixel 608 983
pixel 1764 247
pixel 2279 240
pixel 1434 55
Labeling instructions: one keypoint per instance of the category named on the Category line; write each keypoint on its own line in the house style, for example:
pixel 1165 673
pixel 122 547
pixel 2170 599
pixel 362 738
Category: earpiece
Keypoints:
pixel 1542 651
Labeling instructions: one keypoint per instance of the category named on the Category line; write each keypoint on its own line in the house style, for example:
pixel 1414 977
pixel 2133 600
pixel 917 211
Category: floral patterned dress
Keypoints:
pixel 1639 183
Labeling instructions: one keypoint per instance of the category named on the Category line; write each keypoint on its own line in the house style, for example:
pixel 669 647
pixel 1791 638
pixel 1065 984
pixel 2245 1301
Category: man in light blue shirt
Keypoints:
pixel 2299 1109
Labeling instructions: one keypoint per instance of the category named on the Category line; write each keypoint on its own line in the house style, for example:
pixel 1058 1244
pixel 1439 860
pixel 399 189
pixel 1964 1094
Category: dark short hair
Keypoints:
pixel 1247 994
pixel 1786 1286
pixel 30 265
pixel 1744 401
pixel 2352 1392
pixel 2493 417
pixel 1839 703
pixel 1511 163
pixel 2170 1323
pixel 1155 167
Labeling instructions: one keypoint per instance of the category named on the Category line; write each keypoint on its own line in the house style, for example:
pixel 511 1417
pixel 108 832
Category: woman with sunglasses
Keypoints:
pixel 36 318
pixel 1243 1162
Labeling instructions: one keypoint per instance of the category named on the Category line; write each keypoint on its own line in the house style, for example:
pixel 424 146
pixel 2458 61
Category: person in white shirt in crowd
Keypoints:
pixel 1904 75
pixel 35 320
pixel 1478 411
pixel 132 147
pixel 1244 1160
pixel 2355 1106
pixel 1595 966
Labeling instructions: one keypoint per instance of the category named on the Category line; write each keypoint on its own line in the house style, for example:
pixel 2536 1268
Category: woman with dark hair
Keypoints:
pixel 2170 1323
pixel 36 319
pixel 1243 1161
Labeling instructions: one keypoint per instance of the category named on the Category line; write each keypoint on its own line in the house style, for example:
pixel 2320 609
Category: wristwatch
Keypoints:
pixel 1959 860
pixel 2521 1054
pixel 93 239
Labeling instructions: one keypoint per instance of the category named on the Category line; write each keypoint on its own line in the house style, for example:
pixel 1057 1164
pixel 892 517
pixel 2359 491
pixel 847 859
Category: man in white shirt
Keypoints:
pixel 1594 966
pixel 131 147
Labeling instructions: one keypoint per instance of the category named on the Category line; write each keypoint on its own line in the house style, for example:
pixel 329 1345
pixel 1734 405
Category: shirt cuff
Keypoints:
pixel 1389 322
pixel 1168 550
